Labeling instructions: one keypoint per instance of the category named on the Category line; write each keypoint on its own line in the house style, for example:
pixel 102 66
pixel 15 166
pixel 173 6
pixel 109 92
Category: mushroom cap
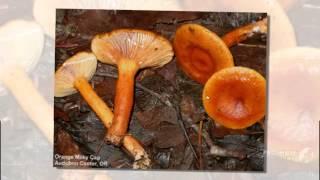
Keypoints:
pixel 200 52
pixel 82 64
pixel 15 39
pixel 235 97
pixel 146 48
pixel 21 43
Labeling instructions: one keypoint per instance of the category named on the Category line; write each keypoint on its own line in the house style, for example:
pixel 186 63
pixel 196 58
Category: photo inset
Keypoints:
pixel 160 90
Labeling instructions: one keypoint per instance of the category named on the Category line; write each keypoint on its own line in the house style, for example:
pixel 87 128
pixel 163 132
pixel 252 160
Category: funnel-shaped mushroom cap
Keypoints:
pixel 146 48
pixel 200 52
pixel 235 97
pixel 80 65
pixel 21 43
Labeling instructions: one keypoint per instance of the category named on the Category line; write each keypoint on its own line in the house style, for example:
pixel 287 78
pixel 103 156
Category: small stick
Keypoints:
pixel 162 98
pixel 200 144
pixel 214 149
pixel 67 45
pixel 179 119
pixel 252 45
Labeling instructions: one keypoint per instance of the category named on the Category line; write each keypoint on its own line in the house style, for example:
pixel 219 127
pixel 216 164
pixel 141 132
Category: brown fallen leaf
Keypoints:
pixel 106 89
pixel 169 72
pixel 64 144
pixel 60 114
pixel 189 109
pixel 152 119
pixel 169 136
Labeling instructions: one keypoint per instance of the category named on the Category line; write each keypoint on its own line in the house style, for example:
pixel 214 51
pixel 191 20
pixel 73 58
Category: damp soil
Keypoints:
pixel 167 105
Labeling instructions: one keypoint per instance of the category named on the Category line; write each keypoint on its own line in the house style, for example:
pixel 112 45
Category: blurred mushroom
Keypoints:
pixel 130 50
pixel 21 44
pixel 294 95
pixel 235 97
pixel 73 76
pixel 287 4
pixel 242 33
pixel 200 52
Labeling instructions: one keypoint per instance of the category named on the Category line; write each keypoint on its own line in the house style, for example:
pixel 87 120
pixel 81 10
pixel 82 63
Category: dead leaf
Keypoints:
pixel 152 119
pixel 169 136
pixel 64 144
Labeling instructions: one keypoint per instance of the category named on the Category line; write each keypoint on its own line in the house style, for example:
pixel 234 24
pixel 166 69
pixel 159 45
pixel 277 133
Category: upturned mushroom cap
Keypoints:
pixel 16 38
pixel 235 97
pixel 82 64
pixel 21 43
pixel 146 48
pixel 200 52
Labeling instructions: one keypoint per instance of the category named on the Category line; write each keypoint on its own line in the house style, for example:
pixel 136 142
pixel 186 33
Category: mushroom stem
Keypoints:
pixel 30 100
pixel 131 144
pixel 94 101
pixel 141 158
pixel 123 101
pixel 242 33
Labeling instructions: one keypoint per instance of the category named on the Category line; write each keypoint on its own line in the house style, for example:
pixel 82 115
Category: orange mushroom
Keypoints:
pixel 282 33
pixel 130 50
pixel 242 33
pixel 200 52
pixel 73 76
pixel 235 97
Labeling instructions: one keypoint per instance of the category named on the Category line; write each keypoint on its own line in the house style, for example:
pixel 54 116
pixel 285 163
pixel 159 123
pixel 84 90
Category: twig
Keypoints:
pixel 97 152
pixel 179 119
pixel 162 98
pixel 214 149
pixel 218 151
pixel 200 144
pixel 67 45
pixel 252 45
pixel 204 133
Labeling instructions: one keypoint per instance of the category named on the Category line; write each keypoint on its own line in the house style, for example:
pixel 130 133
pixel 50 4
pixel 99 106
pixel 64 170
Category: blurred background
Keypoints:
pixel 294 71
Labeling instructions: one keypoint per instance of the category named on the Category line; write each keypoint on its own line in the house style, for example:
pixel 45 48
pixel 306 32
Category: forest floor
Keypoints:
pixel 168 108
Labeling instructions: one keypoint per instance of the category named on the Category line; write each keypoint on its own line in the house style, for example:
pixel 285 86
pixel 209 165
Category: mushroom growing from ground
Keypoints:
pixel 130 50
pixel 21 44
pixel 73 76
pixel 242 33
pixel 282 33
pixel 235 97
pixel 200 52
